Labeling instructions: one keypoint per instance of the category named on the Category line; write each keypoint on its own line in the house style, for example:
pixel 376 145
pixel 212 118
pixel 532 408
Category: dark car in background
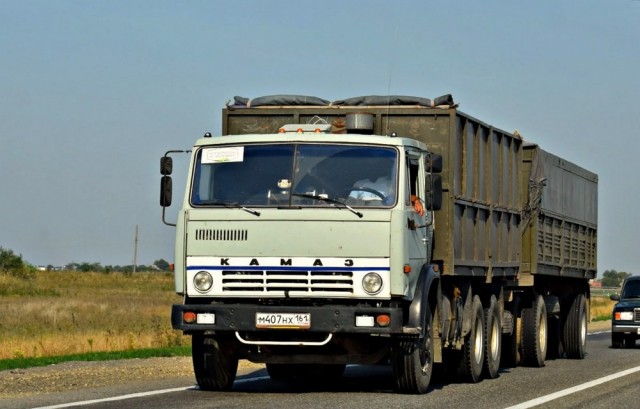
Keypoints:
pixel 625 319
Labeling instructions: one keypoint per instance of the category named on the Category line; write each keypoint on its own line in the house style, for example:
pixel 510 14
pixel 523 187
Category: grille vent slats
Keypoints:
pixel 298 282
pixel 636 314
pixel 222 234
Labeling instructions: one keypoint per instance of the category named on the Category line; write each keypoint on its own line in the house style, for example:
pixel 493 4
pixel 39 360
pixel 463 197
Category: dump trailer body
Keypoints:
pixel 560 216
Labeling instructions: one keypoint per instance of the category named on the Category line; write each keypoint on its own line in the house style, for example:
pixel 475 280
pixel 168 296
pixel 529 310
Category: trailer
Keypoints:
pixel 400 230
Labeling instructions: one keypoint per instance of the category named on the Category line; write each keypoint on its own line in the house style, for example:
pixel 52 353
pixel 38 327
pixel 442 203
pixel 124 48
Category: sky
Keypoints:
pixel 93 93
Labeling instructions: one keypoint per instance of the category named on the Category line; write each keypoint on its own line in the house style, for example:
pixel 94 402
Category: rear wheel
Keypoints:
pixel 472 360
pixel 214 365
pixel 534 333
pixel 412 361
pixel 493 339
pixel 575 328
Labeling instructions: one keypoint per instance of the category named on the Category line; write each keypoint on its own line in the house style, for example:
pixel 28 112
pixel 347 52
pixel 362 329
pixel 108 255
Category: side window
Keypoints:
pixel 413 172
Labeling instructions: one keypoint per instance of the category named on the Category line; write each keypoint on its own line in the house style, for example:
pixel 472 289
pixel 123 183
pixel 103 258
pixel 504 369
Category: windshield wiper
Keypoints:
pixel 330 200
pixel 230 205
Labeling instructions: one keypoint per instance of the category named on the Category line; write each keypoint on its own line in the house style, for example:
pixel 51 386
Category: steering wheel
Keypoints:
pixel 381 195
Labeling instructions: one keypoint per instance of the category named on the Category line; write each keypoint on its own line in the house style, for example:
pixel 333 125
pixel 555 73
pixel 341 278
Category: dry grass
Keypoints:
pixel 60 313
pixel 601 307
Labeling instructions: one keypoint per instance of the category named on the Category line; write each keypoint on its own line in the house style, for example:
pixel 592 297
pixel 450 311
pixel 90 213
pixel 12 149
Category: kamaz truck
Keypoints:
pixel 392 230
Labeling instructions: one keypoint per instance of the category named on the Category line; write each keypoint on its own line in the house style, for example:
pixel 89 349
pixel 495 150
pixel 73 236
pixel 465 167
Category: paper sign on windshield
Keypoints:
pixel 221 155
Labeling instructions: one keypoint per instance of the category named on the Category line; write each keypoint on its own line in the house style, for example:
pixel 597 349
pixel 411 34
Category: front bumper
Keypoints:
pixel 627 328
pixel 323 319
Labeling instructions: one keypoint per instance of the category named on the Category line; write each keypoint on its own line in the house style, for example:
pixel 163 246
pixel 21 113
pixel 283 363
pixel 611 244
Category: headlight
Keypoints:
pixel 372 283
pixel 624 316
pixel 203 281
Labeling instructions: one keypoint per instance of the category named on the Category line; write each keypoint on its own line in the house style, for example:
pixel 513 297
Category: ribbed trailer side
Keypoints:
pixel 560 218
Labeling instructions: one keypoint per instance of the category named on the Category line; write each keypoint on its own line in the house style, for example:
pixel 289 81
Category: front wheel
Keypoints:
pixel 412 361
pixel 215 367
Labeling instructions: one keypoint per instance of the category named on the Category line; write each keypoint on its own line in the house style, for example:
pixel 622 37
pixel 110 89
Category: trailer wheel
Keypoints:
pixel 474 345
pixel 575 328
pixel 616 340
pixel 215 368
pixel 492 339
pixel 534 333
pixel 412 361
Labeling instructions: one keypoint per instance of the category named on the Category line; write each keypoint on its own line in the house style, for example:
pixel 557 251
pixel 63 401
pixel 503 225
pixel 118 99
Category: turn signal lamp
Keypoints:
pixel 383 320
pixel 407 268
pixel 189 317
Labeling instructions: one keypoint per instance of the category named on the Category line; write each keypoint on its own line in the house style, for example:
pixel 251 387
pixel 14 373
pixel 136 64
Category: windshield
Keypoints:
pixel 284 175
pixel 631 289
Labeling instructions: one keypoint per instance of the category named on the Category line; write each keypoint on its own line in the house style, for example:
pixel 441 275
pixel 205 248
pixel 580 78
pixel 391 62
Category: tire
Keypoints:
pixel 214 367
pixel 472 361
pixel 617 340
pixel 510 352
pixel 534 333
pixel 492 339
pixel 629 341
pixel 575 328
pixel 412 361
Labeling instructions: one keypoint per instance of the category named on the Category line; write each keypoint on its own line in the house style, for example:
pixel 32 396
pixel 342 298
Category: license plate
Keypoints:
pixel 283 320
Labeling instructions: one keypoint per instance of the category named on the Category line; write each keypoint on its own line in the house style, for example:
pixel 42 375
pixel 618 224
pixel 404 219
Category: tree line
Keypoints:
pixel 13 264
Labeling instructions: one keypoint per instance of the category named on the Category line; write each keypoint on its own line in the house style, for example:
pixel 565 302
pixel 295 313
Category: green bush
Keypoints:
pixel 13 264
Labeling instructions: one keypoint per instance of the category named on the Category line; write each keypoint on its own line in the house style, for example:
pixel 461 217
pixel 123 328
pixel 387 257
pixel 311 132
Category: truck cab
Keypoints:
pixel 304 238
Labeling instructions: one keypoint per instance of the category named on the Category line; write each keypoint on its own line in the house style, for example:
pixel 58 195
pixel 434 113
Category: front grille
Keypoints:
pixel 291 283
pixel 636 314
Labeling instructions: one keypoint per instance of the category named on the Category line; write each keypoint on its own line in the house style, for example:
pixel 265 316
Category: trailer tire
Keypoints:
pixel 472 361
pixel 214 367
pixel 492 339
pixel 534 333
pixel 575 328
pixel 412 360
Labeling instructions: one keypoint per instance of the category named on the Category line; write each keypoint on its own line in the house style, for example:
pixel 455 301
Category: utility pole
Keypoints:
pixel 135 250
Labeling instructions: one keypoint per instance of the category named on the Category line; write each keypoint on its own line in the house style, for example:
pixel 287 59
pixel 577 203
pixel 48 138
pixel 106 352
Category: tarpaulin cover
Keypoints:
pixel 371 100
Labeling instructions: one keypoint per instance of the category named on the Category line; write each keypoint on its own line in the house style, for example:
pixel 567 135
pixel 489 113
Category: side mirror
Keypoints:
pixel 434 163
pixel 433 199
pixel 166 191
pixel 614 297
pixel 166 165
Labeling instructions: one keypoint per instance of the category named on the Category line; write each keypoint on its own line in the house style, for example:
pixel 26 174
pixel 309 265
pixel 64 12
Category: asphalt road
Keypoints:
pixel 599 381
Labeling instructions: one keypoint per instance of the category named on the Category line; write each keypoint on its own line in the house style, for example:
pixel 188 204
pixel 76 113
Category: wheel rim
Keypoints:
pixel 478 342
pixel 493 340
pixel 542 332
pixel 425 356
pixel 583 329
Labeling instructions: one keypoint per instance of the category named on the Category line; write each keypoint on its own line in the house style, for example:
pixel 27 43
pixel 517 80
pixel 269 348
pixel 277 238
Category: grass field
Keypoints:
pixel 62 313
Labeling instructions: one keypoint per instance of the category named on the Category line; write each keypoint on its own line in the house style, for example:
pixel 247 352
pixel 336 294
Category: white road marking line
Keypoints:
pixel 544 399
pixel 137 395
